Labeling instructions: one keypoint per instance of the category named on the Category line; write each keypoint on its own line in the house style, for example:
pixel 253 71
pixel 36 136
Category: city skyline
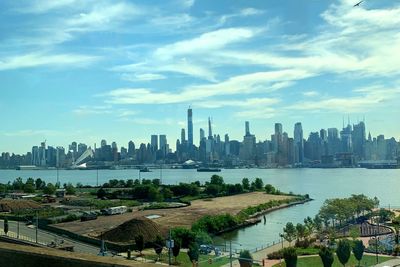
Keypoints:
pixel 350 132
pixel 119 70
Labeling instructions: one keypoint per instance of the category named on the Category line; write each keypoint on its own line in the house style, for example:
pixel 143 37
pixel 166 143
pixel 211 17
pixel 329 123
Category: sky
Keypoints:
pixel 86 70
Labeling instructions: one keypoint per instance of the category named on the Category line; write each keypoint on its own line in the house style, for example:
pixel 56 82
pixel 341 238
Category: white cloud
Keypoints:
pixel 186 3
pixel 41 6
pixel 244 103
pixel 30 132
pixel 90 110
pixel 46 59
pixel 142 77
pixel 362 99
pixel 257 113
pixel 103 17
pixel 206 42
pixel 310 93
pixel 238 85
pixel 126 113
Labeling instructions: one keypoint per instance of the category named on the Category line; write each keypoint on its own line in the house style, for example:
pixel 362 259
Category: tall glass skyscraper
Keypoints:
pixel 190 127
pixel 298 142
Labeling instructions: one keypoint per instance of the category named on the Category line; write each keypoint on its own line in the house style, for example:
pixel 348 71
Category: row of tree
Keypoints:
pixel 32 186
pixel 343 210
pixel 153 190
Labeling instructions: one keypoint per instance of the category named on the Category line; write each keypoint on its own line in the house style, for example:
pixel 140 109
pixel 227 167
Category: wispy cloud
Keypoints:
pixel 46 59
pixel 31 132
pixel 40 6
pixel 310 93
pixel 90 110
pixel 142 77
pixel 103 17
pixel 364 98
pixel 244 103
pixel 206 42
pixel 242 84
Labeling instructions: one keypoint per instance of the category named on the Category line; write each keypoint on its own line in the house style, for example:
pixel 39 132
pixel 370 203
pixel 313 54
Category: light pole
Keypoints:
pixel 37 225
pixel 280 258
pixel 230 253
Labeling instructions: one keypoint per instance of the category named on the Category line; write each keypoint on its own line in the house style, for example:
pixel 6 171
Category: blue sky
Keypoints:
pixel 83 70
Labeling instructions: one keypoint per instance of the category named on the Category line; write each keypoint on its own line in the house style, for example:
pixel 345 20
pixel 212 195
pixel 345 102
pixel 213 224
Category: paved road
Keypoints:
pixel 29 233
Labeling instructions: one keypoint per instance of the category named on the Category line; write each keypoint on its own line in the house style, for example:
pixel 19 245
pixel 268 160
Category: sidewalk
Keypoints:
pixel 389 263
pixel 262 254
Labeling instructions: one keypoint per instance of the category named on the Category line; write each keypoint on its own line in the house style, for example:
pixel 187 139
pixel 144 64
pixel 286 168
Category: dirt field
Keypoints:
pixel 174 217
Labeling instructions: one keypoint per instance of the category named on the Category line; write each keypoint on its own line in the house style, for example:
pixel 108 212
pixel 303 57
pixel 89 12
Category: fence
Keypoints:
pixel 21 237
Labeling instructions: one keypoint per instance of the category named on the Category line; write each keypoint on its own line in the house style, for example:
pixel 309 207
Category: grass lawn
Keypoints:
pixel 315 261
pixel 183 260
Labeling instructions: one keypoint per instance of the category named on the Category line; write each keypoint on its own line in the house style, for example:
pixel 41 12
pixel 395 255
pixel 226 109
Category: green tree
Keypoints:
pixel 246 183
pixel 213 189
pixel 290 256
pixel 259 184
pixel 193 252
pixel 49 189
pixel 289 232
pixel 326 256
pixel 39 184
pixel 158 245
pixel 176 249
pixel 358 250
pixel 269 189
pixel 301 231
pixel 245 258
pixel 216 179
pixel 101 193
pixel 18 184
pixel 139 243
pixel 202 238
pixel 184 236
pixel 29 186
pixel 343 251
pixel 70 189
pixel 154 194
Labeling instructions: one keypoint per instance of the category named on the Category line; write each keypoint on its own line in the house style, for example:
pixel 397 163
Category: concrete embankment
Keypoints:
pixel 253 219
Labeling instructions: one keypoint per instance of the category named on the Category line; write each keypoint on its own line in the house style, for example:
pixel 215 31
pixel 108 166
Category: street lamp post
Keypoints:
pixel 37 225
pixel 280 259
pixel 230 253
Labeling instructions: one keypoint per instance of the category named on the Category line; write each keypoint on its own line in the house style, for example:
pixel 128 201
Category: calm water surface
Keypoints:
pixel 320 184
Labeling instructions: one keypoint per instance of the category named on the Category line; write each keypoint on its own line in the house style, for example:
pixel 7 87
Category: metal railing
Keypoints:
pixel 20 237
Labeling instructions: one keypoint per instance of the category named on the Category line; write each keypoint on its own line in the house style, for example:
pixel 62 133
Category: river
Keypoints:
pixel 320 184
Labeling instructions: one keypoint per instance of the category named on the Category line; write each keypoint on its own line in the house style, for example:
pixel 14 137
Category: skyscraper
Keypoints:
pixel 190 127
pixel 247 130
pixel 359 140
pixel 210 136
pixel 202 134
pixel 248 147
pixel 163 144
pixel 183 134
pixel 298 143
pixel 154 142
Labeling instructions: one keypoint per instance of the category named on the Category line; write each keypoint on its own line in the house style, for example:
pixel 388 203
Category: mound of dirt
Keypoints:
pixel 126 232
pixel 7 205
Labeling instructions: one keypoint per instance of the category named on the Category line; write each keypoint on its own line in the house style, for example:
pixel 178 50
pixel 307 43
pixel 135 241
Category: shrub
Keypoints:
pixel 290 256
pixel 326 256
pixel 343 251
